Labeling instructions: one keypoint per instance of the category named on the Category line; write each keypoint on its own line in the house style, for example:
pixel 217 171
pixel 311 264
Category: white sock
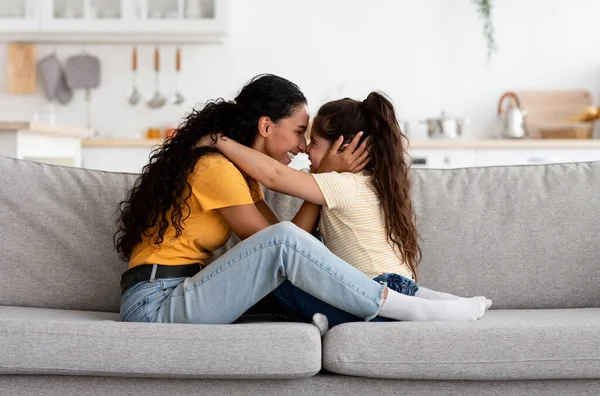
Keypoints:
pixel 408 308
pixel 321 322
pixel 429 294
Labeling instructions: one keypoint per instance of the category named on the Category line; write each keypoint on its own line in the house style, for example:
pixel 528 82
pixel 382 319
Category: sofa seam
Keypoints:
pixel 467 362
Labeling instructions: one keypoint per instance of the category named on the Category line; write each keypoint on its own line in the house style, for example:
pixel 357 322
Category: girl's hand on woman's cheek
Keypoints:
pixel 351 159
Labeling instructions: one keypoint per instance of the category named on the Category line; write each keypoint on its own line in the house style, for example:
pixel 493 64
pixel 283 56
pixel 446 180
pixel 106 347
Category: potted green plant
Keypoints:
pixel 484 9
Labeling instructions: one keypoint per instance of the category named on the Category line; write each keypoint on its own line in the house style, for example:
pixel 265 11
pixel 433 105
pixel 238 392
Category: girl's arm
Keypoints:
pixel 278 177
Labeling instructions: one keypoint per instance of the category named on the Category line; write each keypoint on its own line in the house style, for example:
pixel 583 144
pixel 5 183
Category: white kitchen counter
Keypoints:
pixel 45 129
pixel 415 144
pixel 121 143
pixel 525 144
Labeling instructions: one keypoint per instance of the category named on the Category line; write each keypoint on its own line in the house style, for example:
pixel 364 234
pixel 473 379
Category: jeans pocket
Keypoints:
pixel 153 303
pixel 142 302
pixel 135 298
pixel 131 309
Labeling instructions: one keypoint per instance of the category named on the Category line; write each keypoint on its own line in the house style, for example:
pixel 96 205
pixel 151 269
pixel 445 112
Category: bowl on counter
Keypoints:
pixel 566 130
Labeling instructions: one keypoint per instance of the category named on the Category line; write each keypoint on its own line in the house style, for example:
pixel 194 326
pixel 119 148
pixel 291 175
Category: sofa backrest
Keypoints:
pixel 56 235
pixel 56 240
pixel 527 237
pixel 524 236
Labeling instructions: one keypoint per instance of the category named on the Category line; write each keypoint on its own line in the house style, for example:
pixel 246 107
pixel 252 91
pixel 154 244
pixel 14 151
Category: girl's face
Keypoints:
pixel 286 137
pixel 316 150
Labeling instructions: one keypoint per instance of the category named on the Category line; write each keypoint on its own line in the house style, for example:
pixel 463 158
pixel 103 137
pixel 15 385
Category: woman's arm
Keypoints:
pixel 307 216
pixel 278 177
pixel 244 220
pixel 266 211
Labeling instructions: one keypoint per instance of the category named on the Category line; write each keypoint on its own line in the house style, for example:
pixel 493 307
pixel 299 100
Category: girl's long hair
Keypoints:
pixel 388 168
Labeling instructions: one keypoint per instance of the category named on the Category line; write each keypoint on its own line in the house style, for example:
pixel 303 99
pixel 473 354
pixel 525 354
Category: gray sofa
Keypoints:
pixel 526 237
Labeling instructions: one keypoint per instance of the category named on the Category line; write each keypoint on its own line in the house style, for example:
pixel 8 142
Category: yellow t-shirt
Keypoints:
pixel 353 227
pixel 215 183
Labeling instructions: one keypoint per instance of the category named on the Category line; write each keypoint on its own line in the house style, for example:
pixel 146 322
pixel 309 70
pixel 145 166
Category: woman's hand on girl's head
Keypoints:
pixel 350 159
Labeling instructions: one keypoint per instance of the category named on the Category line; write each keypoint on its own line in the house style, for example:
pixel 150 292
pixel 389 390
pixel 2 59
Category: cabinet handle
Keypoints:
pixel 419 161
pixel 447 160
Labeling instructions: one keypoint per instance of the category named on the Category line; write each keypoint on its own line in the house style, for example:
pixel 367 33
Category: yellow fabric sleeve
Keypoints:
pixel 219 184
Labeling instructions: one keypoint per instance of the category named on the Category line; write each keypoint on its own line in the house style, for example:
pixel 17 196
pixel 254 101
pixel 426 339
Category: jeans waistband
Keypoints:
pixel 149 272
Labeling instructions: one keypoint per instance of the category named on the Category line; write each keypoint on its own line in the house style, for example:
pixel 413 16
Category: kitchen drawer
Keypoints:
pixel 531 157
pixel 443 158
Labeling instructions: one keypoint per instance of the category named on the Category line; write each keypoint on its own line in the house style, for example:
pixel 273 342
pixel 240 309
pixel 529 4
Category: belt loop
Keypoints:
pixel 153 274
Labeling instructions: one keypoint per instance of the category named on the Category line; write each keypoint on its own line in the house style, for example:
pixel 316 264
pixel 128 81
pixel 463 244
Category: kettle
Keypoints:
pixel 513 118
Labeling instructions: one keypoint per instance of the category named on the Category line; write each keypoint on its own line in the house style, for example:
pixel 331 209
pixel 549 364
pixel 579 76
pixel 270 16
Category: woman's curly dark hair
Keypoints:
pixel 159 196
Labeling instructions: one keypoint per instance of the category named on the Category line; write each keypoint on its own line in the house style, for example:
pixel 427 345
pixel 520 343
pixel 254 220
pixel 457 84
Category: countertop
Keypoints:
pixel 431 144
pixel 45 129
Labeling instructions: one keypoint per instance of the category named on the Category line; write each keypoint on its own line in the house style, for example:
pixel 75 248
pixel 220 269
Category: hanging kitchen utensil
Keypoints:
pixel 134 96
pixel 177 98
pixel 21 73
pixel 156 100
pixel 83 72
pixel 54 80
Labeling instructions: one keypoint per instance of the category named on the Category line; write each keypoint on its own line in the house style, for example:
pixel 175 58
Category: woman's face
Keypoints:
pixel 287 137
pixel 316 150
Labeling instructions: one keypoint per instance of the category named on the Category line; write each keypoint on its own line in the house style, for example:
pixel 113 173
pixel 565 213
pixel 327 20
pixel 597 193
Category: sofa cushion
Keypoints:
pixel 47 341
pixel 504 345
pixel 524 236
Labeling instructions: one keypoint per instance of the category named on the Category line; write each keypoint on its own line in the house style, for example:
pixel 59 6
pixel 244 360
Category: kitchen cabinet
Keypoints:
pixel 19 15
pixel 126 21
pixel 443 159
pixel 490 157
pixel 42 143
pixel 461 154
pixel 128 156
pixel 132 155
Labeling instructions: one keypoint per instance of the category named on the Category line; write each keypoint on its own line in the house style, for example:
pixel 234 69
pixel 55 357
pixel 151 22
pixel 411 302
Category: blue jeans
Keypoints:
pixel 230 285
pixel 294 302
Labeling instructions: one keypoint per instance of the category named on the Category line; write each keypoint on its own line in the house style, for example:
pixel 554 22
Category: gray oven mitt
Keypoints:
pixel 53 78
pixel 82 71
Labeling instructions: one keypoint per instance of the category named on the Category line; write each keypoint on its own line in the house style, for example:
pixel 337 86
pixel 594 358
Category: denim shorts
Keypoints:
pixel 398 283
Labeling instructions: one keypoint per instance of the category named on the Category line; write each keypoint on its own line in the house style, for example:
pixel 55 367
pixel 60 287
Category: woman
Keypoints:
pixel 189 199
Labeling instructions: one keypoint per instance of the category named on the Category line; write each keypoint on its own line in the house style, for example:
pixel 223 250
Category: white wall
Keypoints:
pixel 428 55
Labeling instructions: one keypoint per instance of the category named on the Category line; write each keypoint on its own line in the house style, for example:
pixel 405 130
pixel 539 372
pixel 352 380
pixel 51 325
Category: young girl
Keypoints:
pixel 367 218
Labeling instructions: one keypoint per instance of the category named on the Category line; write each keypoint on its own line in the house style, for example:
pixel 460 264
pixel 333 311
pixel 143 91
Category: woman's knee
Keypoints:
pixel 285 228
